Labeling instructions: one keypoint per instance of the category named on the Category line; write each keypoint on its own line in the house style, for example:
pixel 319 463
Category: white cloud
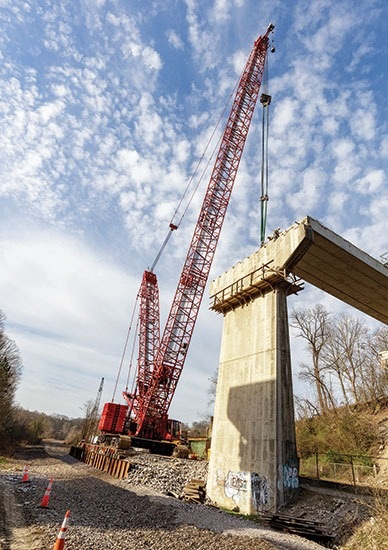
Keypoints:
pixel 113 19
pixel 343 148
pixel 202 40
pixel 337 201
pixel 310 193
pixel 383 146
pixel 363 124
pixel 221 10
pixel 138 169
pixel 358 56
pixel 182 151
pixel 371 183
pixel 285 113
pixel 174 39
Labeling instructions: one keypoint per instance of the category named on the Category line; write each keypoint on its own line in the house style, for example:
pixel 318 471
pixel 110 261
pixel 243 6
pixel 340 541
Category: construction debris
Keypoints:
pixel 313 530
pixel 195 491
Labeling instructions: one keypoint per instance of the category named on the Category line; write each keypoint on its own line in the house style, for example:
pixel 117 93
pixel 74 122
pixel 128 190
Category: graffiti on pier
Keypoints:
pixel 240 486
pixel 235 484
pixel 260 491
pixel 288 476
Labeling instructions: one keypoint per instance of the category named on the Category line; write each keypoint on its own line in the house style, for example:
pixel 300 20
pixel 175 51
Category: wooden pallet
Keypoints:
pixel 313 530
pixel 195 491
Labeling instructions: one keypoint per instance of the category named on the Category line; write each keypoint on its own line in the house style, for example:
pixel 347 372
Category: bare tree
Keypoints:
pixel 212 389
pixel 375 376
pixel 351 336
pixel 90 422
pixel 353 355
pixel 10 373
pixel 314 326
pixel 345 354
pixel 304 408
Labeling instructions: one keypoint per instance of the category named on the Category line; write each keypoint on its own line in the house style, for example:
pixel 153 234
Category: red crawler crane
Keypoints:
pixel 160 364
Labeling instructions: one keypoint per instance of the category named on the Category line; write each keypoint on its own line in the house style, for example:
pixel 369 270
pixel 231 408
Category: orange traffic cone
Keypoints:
pixel 46 496
pixel 60 542
pixel 25 474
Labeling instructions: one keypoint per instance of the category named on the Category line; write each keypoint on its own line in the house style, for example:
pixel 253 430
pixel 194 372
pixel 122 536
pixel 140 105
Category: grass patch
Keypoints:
pixel 372 534
pixel 4 462
pixel 249 517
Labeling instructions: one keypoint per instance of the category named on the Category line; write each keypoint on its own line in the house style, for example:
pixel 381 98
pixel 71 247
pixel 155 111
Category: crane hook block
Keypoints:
pixel 265 99
pixel 173 226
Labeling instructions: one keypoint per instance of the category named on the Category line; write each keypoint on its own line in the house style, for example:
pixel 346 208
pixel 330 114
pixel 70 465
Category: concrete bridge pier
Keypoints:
pixel 253 462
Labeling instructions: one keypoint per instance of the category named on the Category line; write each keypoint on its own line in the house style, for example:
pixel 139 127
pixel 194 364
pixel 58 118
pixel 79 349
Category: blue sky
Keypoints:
pixel 106 107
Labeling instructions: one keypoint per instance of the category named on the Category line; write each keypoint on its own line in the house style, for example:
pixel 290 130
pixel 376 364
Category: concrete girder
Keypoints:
pixel 311 252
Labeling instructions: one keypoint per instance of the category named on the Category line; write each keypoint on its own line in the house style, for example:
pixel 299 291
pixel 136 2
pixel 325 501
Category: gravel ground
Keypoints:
pixel 110 514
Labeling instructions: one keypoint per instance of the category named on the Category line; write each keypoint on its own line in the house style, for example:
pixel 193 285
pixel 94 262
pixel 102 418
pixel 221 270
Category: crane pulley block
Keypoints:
pixel 265 100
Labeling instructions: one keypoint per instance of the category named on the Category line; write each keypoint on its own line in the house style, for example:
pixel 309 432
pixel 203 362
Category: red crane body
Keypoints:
pixel 160 363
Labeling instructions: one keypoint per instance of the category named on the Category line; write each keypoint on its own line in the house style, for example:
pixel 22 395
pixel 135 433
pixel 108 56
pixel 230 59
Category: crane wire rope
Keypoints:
pixel 264 155
pixel 264 173
pixel 131 360
pixel 125 347
pixel 173 226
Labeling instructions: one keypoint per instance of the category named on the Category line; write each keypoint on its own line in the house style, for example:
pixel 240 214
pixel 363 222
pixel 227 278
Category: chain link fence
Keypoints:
pixel 343 468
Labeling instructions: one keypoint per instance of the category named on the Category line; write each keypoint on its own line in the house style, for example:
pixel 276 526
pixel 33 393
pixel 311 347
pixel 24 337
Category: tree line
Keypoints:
pixel 344 364
pixel 10 374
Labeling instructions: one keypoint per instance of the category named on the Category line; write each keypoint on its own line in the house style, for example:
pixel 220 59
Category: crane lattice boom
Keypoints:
pixel 150 408
pixel 149 336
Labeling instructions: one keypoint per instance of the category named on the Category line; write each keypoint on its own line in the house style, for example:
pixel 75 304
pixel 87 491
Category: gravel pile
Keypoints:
pixel 110 514
pixel 168 476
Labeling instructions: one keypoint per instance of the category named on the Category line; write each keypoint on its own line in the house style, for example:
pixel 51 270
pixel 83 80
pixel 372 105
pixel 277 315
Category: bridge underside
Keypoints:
pixel 310 251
